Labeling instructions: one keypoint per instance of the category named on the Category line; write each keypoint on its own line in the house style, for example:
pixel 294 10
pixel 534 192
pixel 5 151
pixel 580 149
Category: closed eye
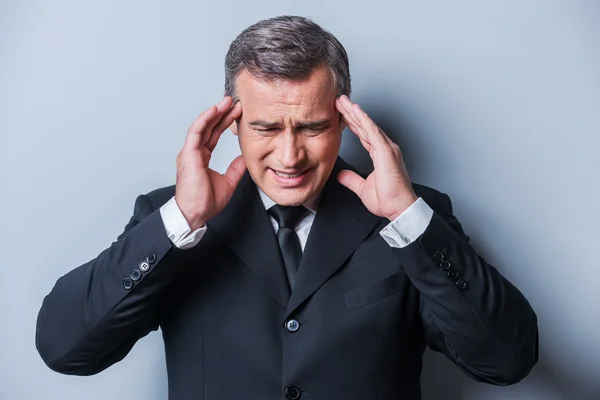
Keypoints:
pixel 315 130
pixel 308 129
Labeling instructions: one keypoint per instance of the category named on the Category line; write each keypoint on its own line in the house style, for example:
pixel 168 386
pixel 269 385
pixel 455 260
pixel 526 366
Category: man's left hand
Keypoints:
pixel 387 191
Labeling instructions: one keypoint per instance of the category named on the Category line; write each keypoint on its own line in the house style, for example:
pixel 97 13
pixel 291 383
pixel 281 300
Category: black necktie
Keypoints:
pixel 289 243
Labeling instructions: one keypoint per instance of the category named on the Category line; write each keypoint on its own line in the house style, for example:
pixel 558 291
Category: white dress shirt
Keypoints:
pixel 399 233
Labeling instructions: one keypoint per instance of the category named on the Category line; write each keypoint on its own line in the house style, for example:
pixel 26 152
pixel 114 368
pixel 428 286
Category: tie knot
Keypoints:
pixel 287 216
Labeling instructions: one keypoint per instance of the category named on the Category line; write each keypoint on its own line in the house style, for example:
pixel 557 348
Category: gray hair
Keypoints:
pixel 286 48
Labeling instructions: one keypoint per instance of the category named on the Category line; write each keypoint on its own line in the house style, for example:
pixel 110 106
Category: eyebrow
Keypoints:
pixel 300 125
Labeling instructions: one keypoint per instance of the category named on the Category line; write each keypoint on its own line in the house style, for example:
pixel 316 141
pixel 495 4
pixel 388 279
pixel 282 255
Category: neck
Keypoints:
pixel 311 204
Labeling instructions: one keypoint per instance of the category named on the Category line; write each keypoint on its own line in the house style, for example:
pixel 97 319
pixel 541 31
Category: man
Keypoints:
pixel 290 276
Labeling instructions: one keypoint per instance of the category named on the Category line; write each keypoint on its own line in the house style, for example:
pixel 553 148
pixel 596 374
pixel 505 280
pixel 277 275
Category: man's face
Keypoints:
pixel 289 134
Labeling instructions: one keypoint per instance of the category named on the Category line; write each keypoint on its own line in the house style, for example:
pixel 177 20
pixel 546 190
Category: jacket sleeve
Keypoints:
pixel 470 312
pixel 95 313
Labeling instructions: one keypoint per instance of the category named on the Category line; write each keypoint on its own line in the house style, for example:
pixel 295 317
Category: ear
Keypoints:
pixel 234 127
pixel 342 124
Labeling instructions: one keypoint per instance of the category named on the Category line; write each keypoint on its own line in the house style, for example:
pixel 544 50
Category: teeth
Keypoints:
pixel 287 175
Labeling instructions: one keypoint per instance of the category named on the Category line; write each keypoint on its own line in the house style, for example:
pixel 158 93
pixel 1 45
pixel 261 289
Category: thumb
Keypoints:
pixel 351 180
pixel 236 170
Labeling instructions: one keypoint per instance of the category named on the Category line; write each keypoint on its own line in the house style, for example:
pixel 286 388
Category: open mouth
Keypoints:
pixel 290 179
pixel 289 175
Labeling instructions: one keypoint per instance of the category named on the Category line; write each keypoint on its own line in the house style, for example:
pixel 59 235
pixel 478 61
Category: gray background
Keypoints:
pixel 495 103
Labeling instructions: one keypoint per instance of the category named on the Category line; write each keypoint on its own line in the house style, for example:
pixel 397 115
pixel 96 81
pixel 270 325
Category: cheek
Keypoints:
pixel 254 147
pixel 326 147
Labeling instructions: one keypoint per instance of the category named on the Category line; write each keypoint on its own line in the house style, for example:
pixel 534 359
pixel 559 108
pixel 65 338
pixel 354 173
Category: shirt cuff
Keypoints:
pixel 177 228
pixel 409 225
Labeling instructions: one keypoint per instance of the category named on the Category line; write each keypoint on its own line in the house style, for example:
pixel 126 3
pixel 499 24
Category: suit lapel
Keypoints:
pixel 245 227
pixel 341 224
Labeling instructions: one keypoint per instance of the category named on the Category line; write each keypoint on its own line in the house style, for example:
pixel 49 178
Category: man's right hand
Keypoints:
pixel 201 193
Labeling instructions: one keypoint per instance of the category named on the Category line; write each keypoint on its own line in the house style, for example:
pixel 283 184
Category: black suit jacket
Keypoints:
pixel 365 311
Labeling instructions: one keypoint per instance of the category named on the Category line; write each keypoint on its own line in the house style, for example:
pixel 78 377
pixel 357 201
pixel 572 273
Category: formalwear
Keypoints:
pixel 354 326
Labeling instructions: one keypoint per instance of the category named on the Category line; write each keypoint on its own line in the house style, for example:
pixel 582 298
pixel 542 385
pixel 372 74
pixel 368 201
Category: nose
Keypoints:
pixel 290 149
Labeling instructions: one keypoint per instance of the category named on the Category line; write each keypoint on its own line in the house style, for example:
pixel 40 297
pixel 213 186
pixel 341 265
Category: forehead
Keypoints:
pixel 314 95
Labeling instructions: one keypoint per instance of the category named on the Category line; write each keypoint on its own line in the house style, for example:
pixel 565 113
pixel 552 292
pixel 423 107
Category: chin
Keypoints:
pixel 289 197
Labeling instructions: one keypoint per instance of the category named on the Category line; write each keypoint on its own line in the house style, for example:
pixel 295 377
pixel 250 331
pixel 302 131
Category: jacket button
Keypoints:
pixel 462 285
pixel 144 266
pixel 453 274
pixel 151 258
pixel 136 275
pixel 127 283
pixel 292 325
pixel 438 256
pixel 292 393
pixel 445 265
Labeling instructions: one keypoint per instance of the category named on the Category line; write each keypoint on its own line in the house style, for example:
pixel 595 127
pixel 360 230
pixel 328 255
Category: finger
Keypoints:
pixel 375 136
pixel 348 120
pixel 351 180
pixel 235 171
pixel 346 106
pixel 350 123
pixel 234 113
pixel 195 130
pixel 353 129
pixel 383 148
pixel 352 108
pixel 373 133
pixel 222 107
pixel 198 127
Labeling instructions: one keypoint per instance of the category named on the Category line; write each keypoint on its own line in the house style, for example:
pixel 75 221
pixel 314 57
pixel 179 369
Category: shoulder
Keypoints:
pixel 428 193
pixel 160 196
pixel 438 201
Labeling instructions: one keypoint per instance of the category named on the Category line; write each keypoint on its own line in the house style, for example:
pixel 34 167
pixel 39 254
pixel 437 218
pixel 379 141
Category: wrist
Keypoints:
pixel 194 219
pixel 196 223
pixel 405 203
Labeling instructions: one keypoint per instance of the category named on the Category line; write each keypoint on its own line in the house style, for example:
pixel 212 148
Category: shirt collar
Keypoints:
pixel 311 204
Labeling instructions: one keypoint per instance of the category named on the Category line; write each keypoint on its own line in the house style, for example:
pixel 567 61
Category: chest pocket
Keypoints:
pixel 375 291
